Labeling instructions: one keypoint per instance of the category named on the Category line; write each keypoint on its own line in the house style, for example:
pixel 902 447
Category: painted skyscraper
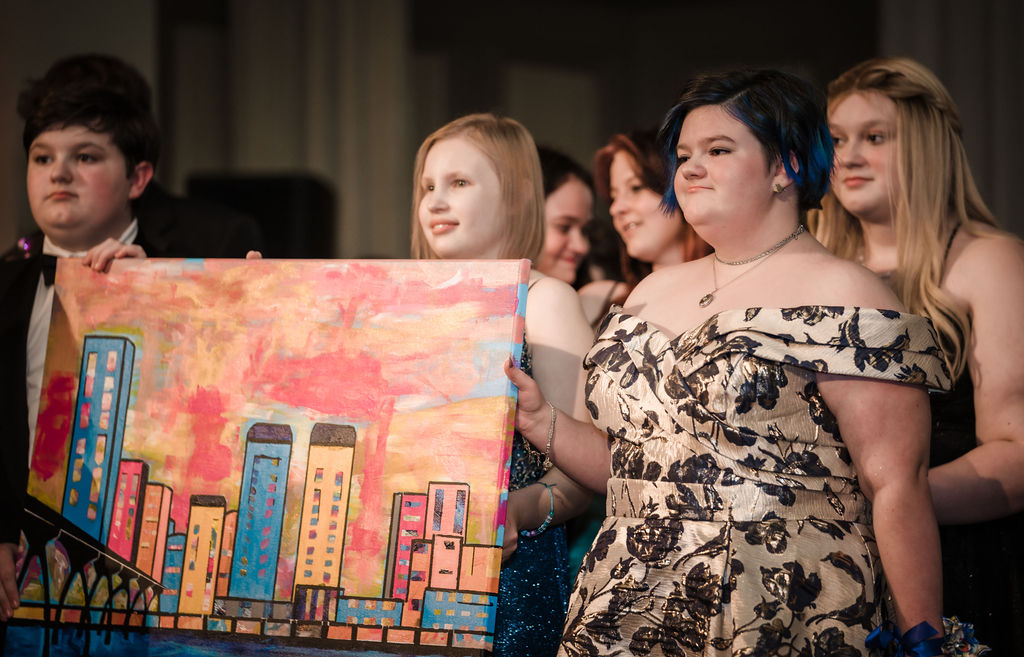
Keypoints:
pixel 156 516
pixel 226 551
pixel 126 519
pixel 174 557
pixel 202 552
pixel 408 519
pixel 446 509
pixel 325 505
pixel 104 384
pixel 268 450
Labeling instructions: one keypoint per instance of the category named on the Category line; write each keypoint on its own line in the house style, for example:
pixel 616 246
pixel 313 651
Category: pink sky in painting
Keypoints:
pixel 408 352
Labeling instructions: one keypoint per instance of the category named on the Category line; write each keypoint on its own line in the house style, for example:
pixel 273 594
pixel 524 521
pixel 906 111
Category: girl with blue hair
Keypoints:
pixel 761 416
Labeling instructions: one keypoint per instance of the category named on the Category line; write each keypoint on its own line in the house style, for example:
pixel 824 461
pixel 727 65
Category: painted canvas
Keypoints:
pixel 271 457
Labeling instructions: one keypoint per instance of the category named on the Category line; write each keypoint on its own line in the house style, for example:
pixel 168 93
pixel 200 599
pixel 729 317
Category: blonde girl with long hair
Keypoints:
pixel 903 203
pixel 477 194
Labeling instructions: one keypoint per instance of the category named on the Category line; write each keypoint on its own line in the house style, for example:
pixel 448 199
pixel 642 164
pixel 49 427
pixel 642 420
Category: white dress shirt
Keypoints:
pixel 39 330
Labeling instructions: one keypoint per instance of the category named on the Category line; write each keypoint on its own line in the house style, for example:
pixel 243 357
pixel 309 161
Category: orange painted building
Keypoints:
pixel 419 580
pixel 156 514
pixel 325 505
pixel 202 551
pixel 226 552
pixel 479 568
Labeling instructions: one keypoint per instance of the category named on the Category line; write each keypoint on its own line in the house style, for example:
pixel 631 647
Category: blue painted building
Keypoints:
pixel 456 610
pixel 374 612
pixel 174 561
pixel 261 500
pixel 104 386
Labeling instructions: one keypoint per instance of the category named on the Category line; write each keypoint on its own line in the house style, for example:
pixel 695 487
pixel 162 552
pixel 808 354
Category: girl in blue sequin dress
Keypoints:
pixel 477 195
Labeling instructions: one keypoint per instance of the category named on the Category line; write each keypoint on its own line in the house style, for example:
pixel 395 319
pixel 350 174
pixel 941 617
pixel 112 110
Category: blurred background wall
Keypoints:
pixel 341 92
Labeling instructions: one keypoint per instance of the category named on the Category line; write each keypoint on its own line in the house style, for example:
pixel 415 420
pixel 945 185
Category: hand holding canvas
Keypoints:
pixel 576 448
pixel 100 256
pixel 532 411
pixel 8 587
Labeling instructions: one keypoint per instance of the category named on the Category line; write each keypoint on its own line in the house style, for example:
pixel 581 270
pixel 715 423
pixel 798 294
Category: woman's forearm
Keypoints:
pixel 908 543
pixel 570 497
pixel 579 450
pixel 984 484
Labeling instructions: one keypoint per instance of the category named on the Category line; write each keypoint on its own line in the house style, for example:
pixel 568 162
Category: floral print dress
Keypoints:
pixel 735 524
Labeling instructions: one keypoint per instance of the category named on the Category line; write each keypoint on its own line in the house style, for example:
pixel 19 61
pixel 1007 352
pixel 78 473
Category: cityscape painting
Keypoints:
pixel 271 457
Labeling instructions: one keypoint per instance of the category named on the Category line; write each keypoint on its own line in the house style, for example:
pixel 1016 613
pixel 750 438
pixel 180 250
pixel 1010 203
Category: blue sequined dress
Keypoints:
pixel 533 592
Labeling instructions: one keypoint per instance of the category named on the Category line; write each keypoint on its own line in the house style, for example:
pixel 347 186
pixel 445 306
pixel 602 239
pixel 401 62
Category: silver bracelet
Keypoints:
pixel 551 434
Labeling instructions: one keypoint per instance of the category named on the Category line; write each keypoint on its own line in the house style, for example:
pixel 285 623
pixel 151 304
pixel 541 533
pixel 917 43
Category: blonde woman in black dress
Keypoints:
pixel 904 203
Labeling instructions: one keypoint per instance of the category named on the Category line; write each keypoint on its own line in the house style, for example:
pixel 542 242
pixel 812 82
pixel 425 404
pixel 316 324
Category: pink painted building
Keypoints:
pixel 419 580
pixel 447 504
pixel 408 522
pixel 444 562
pixel 126 516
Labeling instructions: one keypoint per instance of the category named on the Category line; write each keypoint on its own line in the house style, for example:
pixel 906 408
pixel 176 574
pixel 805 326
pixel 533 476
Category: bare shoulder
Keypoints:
pixel 665 282
pixel 840 282
pixel 985 262
pixel 598 289
pixel 597 293
pixel 988 250
pixel 554 314
pixel 549 291
pixel 597 296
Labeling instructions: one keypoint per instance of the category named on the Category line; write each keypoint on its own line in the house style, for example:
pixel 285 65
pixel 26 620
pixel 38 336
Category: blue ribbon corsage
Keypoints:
pixel 960 639
pixel 923 640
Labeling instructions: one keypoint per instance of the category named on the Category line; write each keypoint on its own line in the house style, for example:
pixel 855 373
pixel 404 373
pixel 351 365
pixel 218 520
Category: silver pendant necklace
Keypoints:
pixel 706 300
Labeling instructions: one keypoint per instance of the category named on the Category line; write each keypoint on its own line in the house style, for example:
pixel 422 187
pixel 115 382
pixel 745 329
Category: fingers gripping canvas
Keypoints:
pixel 294 455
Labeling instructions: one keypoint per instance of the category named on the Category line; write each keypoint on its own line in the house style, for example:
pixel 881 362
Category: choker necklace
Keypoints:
pixel 710 296
pixel 783 242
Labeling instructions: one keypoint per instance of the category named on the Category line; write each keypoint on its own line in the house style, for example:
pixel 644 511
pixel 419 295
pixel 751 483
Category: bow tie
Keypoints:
pixel 49 263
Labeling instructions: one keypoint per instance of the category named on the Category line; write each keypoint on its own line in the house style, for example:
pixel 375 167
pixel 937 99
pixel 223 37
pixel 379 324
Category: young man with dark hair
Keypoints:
pixel 92 147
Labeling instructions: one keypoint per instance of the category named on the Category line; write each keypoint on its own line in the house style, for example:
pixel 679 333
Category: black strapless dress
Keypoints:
pixel 983 563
